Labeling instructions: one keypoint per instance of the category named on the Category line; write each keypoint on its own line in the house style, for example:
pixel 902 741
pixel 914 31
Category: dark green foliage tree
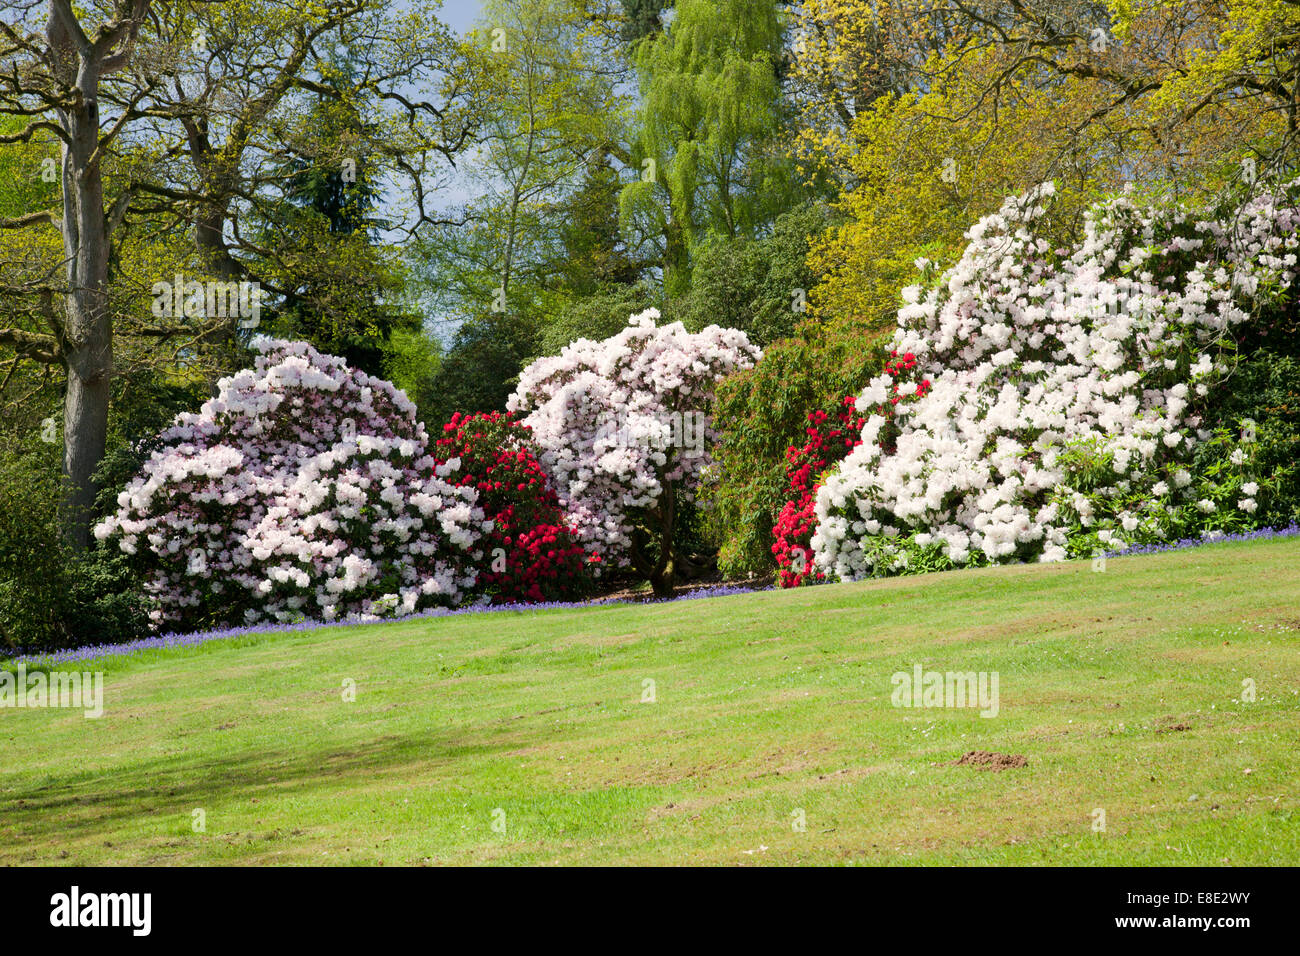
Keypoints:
pixel 644 18
pixel 595 282
pixel 591 254
pixel 763 411
pixel 758 285
pixel 480 369
pixel 338 287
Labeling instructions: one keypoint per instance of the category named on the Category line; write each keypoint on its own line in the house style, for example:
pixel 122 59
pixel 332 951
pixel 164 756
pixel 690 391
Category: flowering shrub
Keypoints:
pixel 1265 394
pixel 530 553
pixel 623 426
pixel 826 445
pixel 807 463
pixel 304 489
pixel 1068 396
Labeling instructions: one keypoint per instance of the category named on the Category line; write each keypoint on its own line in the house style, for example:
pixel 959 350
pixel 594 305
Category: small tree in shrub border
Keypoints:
pixel 531 554
pixel 763 411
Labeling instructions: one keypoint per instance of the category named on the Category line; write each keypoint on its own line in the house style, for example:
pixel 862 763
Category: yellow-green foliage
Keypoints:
pixel 1171 97
pixel 927 165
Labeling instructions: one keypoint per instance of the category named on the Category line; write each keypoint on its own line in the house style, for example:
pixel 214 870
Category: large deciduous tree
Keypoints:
pixel 710 111
pixel 554 126
pixel 169 120
pixel 53 78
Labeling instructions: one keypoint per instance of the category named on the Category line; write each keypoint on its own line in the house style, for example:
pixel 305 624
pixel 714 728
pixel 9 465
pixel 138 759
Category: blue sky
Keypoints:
pixel 459 14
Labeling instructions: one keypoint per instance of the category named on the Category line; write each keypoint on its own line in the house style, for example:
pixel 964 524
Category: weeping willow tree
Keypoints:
pixel 706 148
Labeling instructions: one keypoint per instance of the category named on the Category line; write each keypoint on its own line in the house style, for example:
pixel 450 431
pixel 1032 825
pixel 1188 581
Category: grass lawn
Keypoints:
pixel 1121 689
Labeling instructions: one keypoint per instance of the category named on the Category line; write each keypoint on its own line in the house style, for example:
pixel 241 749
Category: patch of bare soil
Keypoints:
pixel 987 760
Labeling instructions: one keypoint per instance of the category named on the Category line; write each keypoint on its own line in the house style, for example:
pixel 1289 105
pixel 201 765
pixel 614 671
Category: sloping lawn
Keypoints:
pixel 524 737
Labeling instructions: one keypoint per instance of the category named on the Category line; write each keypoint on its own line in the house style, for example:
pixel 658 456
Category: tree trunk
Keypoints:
pixel 88 346
pixel 210 241
pixel 86 342
pixel 661 576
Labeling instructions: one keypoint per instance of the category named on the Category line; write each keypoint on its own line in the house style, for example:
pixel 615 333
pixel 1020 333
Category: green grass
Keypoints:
pixel 765 704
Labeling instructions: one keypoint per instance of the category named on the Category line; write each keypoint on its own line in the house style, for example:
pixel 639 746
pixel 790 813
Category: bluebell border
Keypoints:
pixel 196 638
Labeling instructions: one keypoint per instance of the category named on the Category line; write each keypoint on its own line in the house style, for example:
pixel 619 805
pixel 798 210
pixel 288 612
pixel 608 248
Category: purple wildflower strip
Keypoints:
pixel 202 637
pixel 1211 537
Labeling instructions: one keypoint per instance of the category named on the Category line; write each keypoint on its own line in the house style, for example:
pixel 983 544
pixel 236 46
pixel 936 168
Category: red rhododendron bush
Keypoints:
pixel 830 438
pixel 530 554
pixel 305 489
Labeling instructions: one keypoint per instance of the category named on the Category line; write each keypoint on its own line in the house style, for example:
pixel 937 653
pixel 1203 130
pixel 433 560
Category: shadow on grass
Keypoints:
pixel 75 805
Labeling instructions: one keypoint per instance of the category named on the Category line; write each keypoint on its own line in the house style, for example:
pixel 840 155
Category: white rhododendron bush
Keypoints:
pixel 623 422
pixel 303 490
pixel 1052 401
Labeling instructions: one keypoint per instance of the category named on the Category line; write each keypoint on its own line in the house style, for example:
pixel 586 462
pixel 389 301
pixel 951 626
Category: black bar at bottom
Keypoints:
pixel 299 905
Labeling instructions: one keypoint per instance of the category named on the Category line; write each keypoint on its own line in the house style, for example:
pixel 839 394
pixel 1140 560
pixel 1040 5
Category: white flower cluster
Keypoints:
pixel 607 418
pixel 302 490
pixel 1034 353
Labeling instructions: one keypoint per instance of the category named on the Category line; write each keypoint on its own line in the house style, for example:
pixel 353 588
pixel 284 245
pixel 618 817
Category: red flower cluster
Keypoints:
pixel 829 440
pixel 530 554
pixel 898 368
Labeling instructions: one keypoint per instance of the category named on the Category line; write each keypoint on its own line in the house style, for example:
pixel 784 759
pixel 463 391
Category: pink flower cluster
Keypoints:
pixel 614 421
pixel 303 490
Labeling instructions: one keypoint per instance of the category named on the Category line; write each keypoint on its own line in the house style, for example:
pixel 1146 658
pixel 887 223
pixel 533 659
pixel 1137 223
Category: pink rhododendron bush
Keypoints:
pixel 1054 401
pixel 624 428
pixel 303 490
